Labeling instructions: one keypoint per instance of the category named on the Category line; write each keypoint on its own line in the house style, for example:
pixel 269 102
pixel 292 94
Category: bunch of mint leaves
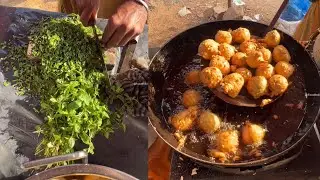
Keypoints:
pixel 69 79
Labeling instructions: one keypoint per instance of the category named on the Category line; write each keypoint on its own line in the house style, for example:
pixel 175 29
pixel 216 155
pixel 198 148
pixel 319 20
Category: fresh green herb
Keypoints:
pixel 69 80
pixel 6 83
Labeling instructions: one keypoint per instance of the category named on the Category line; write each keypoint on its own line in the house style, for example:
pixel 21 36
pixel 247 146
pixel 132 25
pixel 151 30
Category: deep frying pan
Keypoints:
pixel 296 111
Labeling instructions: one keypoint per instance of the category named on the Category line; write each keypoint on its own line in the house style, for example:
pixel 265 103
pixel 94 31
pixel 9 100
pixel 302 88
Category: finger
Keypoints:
pixel 85 16
pixel 93 17
pixel 79 6
pixel 130 35
pixel 110 30
pixel 117 37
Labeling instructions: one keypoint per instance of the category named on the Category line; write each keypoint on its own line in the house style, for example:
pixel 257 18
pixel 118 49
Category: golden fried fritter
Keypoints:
pixel 245 73
pixel 208 48
pixel 223 37
pixel 186 119
pixel 227 50
pixel 211 76
pixel 221 63
pixel 248 46
pixel 278 84
pixel 209 122
pixel 228 141
pixel 191 98
pixel 232 84
pixel 267 55
pixel 253 134
pixel 239 59
pixel 285 69
pixel 257 86
pixel 266 70
pixel 280 53
pixel 254 59
pixel 193 77
pixel 240 35
pixel 272 38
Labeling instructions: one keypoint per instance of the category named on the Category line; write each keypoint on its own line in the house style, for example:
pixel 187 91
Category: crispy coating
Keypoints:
pixel 253 134
pixel 208 48
pixel 257 86
pixel 266 70
pixel 186 119
pixel 272 38
pixel 267 55
pixel 280 53
pixel 285 69
pixel 227 50
pixel 254 59
pixel 223 37
pixel 211 76
pixel 228 141
pixel 239 59
pixel 248 46
pixel 278 84
pixel 209 122
pixel 221 63
pixel 232 84
pixel 191 98
pixel 193 77
pixel 221 156
pixel 245 73
pixel 240 35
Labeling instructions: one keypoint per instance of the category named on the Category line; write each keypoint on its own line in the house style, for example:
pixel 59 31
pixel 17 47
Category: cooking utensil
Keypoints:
pixel 245 99
pixel 76 170
pixel 288 119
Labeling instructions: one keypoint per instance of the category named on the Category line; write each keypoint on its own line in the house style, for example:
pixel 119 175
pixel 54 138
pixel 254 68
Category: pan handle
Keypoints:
pixel 67 157
pixel 276 17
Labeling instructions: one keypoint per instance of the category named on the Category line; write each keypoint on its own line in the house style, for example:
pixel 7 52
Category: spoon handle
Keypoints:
pixel 276 17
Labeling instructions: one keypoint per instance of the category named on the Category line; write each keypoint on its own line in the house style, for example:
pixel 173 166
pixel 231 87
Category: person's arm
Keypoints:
pixel 127 23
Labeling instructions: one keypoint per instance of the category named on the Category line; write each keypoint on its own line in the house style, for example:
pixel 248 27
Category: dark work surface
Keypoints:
pixel 306 166
pixel 124 151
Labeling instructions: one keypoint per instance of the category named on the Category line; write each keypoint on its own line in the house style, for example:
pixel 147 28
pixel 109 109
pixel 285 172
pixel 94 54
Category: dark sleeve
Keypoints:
pixel 313 0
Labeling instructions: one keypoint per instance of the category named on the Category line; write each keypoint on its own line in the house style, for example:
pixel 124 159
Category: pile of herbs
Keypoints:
pixel 69 79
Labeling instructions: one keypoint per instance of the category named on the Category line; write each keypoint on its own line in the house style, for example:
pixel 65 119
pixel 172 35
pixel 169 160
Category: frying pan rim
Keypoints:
pixel 260 161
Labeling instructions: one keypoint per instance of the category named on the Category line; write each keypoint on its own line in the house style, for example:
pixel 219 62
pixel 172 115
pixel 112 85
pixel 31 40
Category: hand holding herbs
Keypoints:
pixel 68 77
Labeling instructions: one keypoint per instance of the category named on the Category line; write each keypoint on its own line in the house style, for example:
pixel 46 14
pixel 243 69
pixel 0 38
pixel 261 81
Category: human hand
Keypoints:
pixel 127 23
pixel 88 10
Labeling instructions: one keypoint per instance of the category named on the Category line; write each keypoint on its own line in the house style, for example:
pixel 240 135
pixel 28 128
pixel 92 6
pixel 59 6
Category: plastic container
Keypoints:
pixel 295 10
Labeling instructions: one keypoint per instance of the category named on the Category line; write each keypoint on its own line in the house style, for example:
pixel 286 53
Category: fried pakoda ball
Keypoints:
pixel 186 119
pixel 257 86
pixel 211 76
pixel 245 73
pixel 254 59
pixel 267 55
pixel 266 70
pixel 193 77
pixel 272 38
pixel 240 35
pixel 253 134
pixel 227 50
pixel 191 98
pixel 227 141
pixel 239 59
pixel 285 69
pixel 248 46
pixel 209 122
pixel 232 84
pixel 223 37
pixel 278 84
pixel 280 53
pixel 221 63
pixel 208 48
